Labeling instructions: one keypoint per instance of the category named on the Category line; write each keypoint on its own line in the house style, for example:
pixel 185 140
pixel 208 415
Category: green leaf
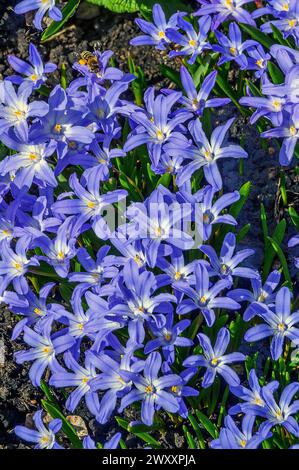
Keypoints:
pixel 143 6
pixel 278 236
pixel 67 12
pixel 118 6
pixel 275 73
pixel 67 428
pixel 244 194
pixel 256 34
pixel 277 35
pixel 189 438
pixel 171 74
pixel 164 180
pixel 141 435
pixel 282 259
pixel 223 83
pixel 197 429
pixel 207 424
pixel 294 217
pixel 253 88
pixel 243 232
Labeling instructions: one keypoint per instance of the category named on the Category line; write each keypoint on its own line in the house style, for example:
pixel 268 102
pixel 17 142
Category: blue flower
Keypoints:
pixel 81 378
pixel 252 396
pixel 135 303
pixel 42 437
pixel 209 214
pixel 35 71
pixel 193 43
pixel 156 125
pixel 279 413
pixel 158 222
pixel 205 153
pixel 232 47
pixel 214 359
pixel 197 101
pixel 262 293
pixel 156 33
pixel 150 390
pixel 96 271
pixel 42 7
pixel 167 337
pixel 280 324
pixel 14 265
pixel 89 205
pixel 230 437
pixel 43 351
pixel 204 297
pixel 112 443
pixel 225 10
pixel 113 380
pixel 226 266
pixel 15 110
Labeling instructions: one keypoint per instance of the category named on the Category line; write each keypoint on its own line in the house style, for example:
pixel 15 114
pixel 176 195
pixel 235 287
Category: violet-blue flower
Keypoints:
pixel 214 359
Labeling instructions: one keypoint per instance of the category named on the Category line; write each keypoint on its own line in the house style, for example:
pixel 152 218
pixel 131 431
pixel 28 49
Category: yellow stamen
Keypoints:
pixel 91 204
pixel 293 130
pixel 292 23
pixel 33 156
pixel 233 50
pixel 161 34
pixel 60 255
pixel 258 402
pixel 149 389
pixel 34 77
pixel 177 275
pixel 203 299
pixel 167 336
pixel 18 266
pixel 85 380
pixel 192 43
pixel 281 327
pixel 261 298
pixel 58 128
pixel 243 443
pixel 260 63
pixel 277 105
pixel 285 7
pixel 37 311
pixel 174 389
pixel 160 135
pixel 214 361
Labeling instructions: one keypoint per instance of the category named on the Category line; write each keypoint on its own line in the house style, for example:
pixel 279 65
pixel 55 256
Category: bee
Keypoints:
pixel 89 59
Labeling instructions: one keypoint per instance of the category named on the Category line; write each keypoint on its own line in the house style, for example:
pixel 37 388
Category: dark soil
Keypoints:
pixel 18 398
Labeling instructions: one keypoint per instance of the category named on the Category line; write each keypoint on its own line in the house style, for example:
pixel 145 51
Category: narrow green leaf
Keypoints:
pixel 275 73
pixel 67 428
pixel 142 435
pixel 294 217
pixel 207 424
pixel 282 259
pixel 67 12
pixel 256 34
